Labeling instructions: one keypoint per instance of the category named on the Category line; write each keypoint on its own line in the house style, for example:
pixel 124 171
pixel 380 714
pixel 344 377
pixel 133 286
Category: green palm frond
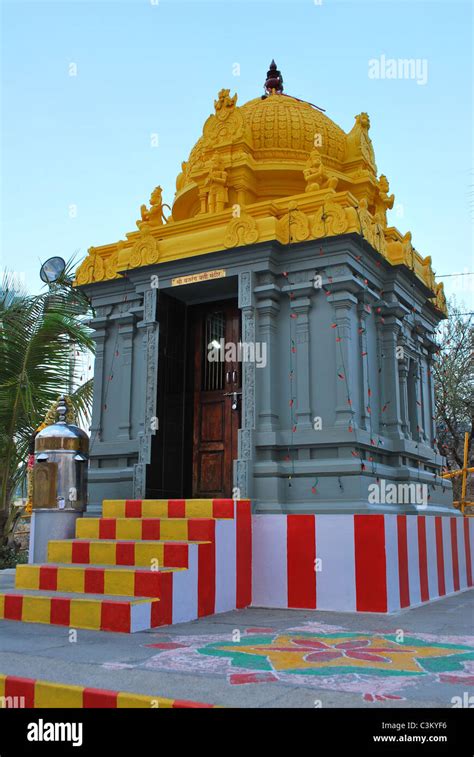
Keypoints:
pixel 38 337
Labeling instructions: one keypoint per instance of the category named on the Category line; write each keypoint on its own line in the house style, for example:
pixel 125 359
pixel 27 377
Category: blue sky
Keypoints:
pixel 148 68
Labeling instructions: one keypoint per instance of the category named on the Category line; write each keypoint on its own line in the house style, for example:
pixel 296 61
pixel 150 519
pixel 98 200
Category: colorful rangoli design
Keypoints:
pixel 375 665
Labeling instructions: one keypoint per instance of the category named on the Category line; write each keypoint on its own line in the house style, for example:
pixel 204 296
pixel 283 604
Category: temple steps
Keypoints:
pixel 92 612
pixel 142 553
pixel 169 508
pixel 119 580
pixel 144 564
pixel 147 529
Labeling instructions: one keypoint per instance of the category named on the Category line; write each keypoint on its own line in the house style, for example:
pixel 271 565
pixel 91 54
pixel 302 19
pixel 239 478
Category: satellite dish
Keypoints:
pixel 52 270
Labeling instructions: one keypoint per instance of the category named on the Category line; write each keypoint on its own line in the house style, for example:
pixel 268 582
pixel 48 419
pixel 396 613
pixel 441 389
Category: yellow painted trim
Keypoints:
pixel 27 577
pixel 113 508
pixel 121 582
pixel 2 606
pixel 199 508
pixel 36 609
pixel 85 613
pixel 174 529
pixel 87 528
pixel 2 685
pixel 126 700
pixel 71 579
pixel 59 551
pixel 147 554
pixel 102 553
pixel 58 695
pixel 154 509
pixel 129 528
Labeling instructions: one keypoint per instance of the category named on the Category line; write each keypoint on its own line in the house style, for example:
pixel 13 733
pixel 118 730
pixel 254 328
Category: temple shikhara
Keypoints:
pixel 263 422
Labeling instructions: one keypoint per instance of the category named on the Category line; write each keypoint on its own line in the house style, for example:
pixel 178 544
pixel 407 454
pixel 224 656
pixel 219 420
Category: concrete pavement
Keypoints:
pixel 422 657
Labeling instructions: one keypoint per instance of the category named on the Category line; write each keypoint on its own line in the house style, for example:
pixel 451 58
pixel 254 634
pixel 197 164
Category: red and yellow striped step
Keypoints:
pixel 141 553
pixel 31 693
pixel 170 508
pixel 88 579
pixel 147 529
pixel 122 614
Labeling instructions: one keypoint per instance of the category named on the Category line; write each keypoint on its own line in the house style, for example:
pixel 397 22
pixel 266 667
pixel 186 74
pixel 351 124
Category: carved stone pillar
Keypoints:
pixel 344 308
pixel 364 372
pixel 99 324
pixel 300 305
pixel 390 410
pixel 243 466
pixel 431 397
pixel 150 326
pixel 126 333
pixel 268 307
pixel 403 379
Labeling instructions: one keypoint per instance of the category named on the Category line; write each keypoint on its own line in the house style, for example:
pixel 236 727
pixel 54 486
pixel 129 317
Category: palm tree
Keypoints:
pixel 39 335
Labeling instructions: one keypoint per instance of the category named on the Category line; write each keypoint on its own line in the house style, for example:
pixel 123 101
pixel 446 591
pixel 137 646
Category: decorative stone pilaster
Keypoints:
pixel 419 433
pixel 126 327
pixel 268 307
pixel 402 380
pixel 300 304
pixel 242 466
pixel 99 324
pixel 363 313
pixel 150 343
pixel 390 412
pixel 344 304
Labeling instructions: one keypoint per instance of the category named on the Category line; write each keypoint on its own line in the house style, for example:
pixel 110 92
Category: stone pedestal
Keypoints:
pixel 47 525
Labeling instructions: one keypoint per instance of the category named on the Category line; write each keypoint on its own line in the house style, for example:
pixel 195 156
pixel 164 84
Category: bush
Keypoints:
pixel 11 557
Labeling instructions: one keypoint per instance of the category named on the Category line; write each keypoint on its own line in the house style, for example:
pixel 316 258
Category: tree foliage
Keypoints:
pixel 39 338
pixel 453 376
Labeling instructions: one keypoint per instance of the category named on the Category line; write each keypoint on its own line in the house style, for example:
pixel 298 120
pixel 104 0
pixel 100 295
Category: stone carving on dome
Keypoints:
pixel 330 219
pixel 283 123
pixel 240 231
pixel 91 269
pixel 225 104
pixel 154 215
pixel 181 177
pixel 359 143
pixel 226 126
pixel 293 226
pixel 214 194
pixel 383 201
pixel 428 275
pixel 111 266
pixel 144 251
pixel 440 297
pixel 401 250
pixel 317 176
pixel 371 228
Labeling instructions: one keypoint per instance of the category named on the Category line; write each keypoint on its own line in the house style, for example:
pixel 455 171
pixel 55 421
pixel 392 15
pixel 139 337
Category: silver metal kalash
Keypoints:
pixel 59 482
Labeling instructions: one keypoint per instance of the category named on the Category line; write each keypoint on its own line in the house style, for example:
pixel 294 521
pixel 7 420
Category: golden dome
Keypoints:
pixel 275 168
pixel 272 136
pixel 281 122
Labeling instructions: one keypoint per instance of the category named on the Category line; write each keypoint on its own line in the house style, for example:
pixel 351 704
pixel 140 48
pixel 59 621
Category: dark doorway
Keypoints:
pixel 217 393
pixel 198 404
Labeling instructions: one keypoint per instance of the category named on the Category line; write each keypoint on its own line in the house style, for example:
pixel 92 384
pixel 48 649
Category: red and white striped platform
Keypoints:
pixel 359 563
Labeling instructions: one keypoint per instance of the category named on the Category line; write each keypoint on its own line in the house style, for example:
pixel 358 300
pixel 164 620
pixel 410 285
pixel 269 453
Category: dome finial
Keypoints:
pixel 274 80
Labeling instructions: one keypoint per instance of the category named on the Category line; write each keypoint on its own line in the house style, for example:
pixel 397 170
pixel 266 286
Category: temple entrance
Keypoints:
pixel 216 397
pixel 198 399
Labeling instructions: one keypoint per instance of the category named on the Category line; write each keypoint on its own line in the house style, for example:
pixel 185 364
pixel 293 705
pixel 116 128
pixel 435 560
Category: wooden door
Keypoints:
pixel 217 398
